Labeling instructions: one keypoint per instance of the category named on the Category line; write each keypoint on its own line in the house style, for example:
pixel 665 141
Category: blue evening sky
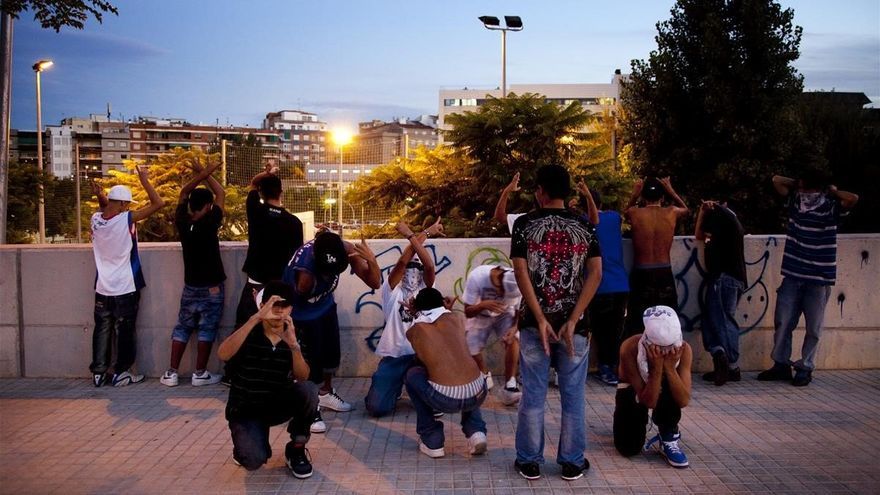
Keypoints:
pixel 350 61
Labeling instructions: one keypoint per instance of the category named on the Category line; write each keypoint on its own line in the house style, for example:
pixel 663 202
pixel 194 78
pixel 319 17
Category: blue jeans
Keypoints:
pixel 250 436
pixel 387 384
pixel 200 307
pixel 720 329
pixel 535 370
pixel 426 400
pixel 114 314
pixel 793 297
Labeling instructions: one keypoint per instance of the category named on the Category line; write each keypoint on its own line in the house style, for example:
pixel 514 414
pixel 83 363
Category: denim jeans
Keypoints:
pixel 200 307
pixel 387 384
pixel 250 436
pixel 793 297
pixel 535 369
pixel 426 400
pixel 720 329
pixel 114 314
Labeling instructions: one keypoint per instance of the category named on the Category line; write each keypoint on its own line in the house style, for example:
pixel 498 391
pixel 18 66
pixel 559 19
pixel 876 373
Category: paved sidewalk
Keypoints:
pixel 64 436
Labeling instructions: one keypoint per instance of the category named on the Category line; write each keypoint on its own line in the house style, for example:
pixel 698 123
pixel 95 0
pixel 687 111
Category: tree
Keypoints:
pixel 714 105
pixel 56 14
pixel 461 183
pixel 168 173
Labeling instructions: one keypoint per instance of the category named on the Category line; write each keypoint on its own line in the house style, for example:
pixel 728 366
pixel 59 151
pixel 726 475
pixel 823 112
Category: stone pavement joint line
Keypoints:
pixel 64 436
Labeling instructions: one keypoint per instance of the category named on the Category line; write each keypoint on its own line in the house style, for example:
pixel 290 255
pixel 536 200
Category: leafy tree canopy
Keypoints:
pixel 714 105
pixel 56 14
pixel 168 173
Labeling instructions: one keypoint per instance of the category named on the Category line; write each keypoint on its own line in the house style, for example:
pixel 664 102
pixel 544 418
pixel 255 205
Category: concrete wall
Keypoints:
pixel 47 296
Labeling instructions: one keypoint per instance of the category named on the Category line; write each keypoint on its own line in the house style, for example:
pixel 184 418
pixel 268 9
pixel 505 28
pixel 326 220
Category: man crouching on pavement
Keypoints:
pixel 655 373
pixel 444 377
pixel 272 385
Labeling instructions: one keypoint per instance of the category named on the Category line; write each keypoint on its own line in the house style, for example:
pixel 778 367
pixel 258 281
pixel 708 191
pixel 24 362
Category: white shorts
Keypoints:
pixel 480 328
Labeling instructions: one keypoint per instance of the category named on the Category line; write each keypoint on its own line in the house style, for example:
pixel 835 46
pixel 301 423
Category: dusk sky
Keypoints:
pixel 350 61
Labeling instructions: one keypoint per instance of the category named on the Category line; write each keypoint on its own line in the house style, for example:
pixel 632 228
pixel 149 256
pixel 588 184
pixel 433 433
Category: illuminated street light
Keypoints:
pixel 512 23
pixel 341 137
pixel 39 67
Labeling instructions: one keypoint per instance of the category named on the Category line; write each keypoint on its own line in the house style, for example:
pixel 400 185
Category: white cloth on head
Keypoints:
pixel 662 328
pixel 431 315
pixel 393 342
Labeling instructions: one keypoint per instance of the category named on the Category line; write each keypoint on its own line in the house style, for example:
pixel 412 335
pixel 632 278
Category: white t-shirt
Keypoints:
pixel 393 342
pixel 478 287
pixel 511 218
pixel 114 243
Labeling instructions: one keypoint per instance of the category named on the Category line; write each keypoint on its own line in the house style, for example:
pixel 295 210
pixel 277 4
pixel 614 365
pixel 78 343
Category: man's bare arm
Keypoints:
pixel 847 199
pixel 784 185
pixel 364 263
pixel 156 202
pixel 592 210
pixel 545 331
pixel 594 276
pixel 705 206
pixel 501 207
pixel 679 379
pixel 680 207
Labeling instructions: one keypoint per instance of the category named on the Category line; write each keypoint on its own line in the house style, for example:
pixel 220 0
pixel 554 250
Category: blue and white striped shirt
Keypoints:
pixel 811 244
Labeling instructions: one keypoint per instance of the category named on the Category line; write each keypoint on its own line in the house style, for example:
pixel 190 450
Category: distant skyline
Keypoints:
pixel 353 61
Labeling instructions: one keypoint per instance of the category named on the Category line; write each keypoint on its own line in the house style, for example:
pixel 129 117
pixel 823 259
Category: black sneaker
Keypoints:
pixel 99 379
pixel 802 378
pixel 733 375
pixel 300 463
pixel 571 472
pixel 779 372
pixel 528 470
pixel 719 360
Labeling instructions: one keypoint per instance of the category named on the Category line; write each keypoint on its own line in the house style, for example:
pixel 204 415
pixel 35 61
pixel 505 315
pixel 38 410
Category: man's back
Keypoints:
pixel 442 347
pixel 653 228
pixel 274 235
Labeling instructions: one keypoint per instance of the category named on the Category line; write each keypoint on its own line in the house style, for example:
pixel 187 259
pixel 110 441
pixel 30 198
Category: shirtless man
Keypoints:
pixel 444 378
pixel 653 228
pixel 655 373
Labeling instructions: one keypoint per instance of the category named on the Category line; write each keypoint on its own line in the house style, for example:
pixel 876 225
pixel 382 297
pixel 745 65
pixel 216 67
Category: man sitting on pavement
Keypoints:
pixel 406 278
pixel 271 385
pixel 446 378
pixel 491 299
pixel 655 373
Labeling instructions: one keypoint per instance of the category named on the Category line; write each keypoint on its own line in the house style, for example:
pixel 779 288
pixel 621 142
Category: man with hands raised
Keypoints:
pixel 271 386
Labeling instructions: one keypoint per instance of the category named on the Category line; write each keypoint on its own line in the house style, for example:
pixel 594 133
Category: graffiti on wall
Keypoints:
pixel 691 283
pixel 369 300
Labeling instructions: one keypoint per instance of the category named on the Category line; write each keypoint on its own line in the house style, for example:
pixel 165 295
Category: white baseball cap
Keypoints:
pixel 119 193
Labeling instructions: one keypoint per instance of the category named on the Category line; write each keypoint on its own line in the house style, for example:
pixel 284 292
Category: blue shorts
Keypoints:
pixel 200 307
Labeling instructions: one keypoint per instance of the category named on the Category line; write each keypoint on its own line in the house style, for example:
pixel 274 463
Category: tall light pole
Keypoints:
pixel 511 23
pixel 341 137
pixel 39 67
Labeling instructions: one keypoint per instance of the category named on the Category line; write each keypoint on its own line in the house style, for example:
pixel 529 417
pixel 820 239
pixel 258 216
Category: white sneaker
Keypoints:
pixel 489 382
pixel 206 378
pixel 477 443
pixel 333 402
pixel 511 396
pixel 318 425
pixel 169 379
pixel 432 453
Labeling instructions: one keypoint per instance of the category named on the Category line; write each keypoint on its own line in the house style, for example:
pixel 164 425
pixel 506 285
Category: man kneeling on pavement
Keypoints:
pixel 444 378
pixel 271 385
pixel 655 373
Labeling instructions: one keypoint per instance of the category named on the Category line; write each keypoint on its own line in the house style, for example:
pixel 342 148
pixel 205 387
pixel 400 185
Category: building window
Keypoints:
pixel 111 156
pixel 111 144
pixel 123 144
pixel 135 134
pixel 135 146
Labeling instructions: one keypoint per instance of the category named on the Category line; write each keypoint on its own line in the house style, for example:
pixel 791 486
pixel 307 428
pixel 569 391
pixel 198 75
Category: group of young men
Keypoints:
pixel 567 280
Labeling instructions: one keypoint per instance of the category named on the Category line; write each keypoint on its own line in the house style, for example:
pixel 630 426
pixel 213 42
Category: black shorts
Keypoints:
pixel 648 287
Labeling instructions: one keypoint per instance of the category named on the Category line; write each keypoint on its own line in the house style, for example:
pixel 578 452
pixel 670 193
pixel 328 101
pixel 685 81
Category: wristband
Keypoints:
pixel 410 236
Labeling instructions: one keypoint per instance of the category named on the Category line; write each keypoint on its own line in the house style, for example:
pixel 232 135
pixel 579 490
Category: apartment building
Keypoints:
pixel 103 145
pixel 151 137
pixel 303 137
pixel 383 141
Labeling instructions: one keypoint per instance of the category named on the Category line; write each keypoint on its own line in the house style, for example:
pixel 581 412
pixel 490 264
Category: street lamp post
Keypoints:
pixel 341 137
pixel 511 23
pixel 38 68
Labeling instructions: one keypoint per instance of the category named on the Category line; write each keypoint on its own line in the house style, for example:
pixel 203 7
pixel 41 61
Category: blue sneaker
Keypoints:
pixel 670 450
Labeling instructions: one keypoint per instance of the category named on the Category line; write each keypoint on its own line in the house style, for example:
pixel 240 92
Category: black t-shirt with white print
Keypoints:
pixel 556 244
